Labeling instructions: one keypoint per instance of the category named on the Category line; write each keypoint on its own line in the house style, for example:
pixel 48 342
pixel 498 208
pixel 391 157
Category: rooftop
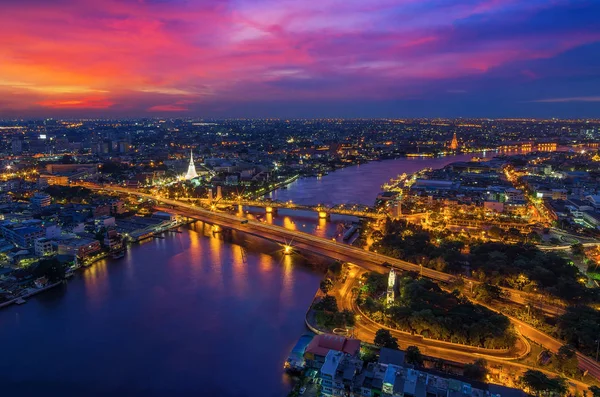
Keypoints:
pixel 322 344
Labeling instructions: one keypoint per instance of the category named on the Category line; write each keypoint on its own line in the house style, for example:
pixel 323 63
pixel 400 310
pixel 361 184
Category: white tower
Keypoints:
pixel 191 173
pixel 391 285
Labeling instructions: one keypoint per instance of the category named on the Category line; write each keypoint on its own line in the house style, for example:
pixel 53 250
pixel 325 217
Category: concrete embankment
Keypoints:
pixel 32 293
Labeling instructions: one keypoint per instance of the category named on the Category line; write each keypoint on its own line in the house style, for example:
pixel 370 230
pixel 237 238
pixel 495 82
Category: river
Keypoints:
pixel 188 314
pixel 358 184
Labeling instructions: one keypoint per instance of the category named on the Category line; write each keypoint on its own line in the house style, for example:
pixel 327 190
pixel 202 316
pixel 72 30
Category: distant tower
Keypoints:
pixel 454 143
pixel 191 173
pixel 391 286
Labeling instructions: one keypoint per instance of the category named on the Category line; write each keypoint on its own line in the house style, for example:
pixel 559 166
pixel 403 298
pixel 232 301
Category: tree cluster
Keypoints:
pixel 579 327
pixel 384 338
pixel 70 193
pixel 421 307
pixel 413 243
pixel 539 384
pixel 328 316
pixel 520 266
pixel 51 268
pixel 486 293
pixel 477 370
pixel 527 268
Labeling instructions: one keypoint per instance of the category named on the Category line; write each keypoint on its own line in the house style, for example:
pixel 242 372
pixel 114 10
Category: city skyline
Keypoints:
pixel 287 59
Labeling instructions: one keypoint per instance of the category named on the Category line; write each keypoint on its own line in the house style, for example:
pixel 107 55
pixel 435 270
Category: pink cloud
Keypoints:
pixel 116 54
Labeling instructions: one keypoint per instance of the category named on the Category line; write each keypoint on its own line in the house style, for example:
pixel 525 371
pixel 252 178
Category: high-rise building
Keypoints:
pixel 191 172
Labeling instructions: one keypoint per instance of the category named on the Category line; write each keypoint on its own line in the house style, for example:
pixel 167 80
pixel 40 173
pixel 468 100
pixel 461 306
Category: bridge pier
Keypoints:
pixel 271 210
pixel 324 215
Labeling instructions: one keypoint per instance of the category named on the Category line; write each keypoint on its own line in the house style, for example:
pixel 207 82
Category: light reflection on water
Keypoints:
pixel 168 319
pixel 194 313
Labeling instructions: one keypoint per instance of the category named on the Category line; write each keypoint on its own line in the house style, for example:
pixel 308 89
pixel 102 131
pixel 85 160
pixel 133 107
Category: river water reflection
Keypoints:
pixel 187 314
pixel 358 184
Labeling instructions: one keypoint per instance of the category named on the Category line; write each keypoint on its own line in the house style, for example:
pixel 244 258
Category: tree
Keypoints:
pixel 375 283
pixel 538 383
pixel 486 292
pixel 579 327
pixel 328 304
pixel 383 338
pixel 336 268
pixel 534 238
pixel 413 356
pixel 326 285
pixel 51 268
pixel 477 371
pixel 566 361
pixel 348 317
pixel 371 306
pixel 368 355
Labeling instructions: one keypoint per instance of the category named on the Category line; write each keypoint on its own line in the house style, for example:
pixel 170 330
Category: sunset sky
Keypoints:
pixel 299 58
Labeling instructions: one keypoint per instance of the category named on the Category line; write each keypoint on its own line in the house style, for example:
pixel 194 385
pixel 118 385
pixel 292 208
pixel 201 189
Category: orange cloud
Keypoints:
pixel 86 103
pixel 168 108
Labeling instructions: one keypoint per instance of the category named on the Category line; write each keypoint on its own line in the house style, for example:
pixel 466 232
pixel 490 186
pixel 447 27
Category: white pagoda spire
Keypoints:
pixel 191 172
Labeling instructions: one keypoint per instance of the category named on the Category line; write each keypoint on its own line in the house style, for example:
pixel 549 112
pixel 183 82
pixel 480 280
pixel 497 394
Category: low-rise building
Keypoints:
pixel 47 180
pixel 320 346
pixel 80 248
pixel 40 200
pixel 104 221
pixel 52 230
pixel 21 235
pixel 44 246
pixel 117 207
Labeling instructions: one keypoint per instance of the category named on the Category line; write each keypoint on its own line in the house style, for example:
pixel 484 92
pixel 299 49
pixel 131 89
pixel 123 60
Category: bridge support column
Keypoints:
pixel 324 215
pixel 271 210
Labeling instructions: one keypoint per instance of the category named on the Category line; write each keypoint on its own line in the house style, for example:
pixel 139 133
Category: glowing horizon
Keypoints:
pixel 291 58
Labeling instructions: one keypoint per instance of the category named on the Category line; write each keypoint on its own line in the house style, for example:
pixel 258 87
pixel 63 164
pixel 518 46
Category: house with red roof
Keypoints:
pixel 321 345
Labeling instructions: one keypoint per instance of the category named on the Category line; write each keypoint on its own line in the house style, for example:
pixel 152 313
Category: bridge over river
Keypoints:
pixel 368 260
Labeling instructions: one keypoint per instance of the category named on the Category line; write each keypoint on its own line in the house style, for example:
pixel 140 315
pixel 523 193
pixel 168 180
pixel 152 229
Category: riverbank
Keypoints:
pixel 30 294
pixel 264 191
pixel 91 261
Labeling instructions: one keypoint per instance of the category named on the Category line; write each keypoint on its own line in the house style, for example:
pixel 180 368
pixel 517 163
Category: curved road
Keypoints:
pixel 366 328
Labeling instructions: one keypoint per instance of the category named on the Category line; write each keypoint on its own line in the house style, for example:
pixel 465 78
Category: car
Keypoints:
pixel 244 221
pixel 302 390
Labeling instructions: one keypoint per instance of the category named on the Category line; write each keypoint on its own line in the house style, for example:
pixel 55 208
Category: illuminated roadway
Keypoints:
pixel 330 248
pixel 343 252
pixel 360 211
pixel 365 329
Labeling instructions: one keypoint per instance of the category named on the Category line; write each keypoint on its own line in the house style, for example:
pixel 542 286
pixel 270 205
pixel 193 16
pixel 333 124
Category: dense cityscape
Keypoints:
pixel 475 276
pixel 332 198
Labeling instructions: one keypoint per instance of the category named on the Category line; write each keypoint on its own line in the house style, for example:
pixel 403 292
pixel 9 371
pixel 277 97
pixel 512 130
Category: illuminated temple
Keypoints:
pixel 191 172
